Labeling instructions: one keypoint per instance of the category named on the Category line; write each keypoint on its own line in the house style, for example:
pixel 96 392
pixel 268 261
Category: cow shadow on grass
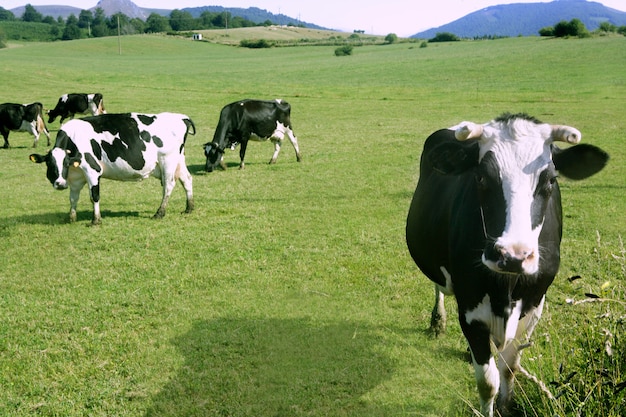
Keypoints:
pixel 63 217
pixel 276 367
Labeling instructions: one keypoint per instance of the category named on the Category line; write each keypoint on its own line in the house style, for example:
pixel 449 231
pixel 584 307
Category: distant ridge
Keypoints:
pixel 131 10
pixel 526 19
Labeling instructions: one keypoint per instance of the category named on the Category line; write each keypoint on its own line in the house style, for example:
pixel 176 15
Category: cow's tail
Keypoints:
pixel 191 128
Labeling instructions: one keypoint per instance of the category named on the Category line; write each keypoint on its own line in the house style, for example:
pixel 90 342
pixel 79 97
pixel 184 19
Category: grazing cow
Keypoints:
pixel 22 118
pixel 485 225
pixel 77 103
pixel 126 147
pixel 250 120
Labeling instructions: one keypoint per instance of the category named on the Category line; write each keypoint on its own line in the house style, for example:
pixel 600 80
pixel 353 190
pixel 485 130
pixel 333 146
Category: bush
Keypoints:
pixel 255 43
pixel 343 50
pixel 391 38
pixel 444 37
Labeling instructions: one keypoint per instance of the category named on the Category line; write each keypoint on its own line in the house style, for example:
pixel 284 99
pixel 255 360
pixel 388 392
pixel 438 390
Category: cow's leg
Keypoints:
pixel 277 144
pixel 75 187
pixel 438 315
pixel 168 181
pixel 5 136
pixel 186 180
pixel 94 193
pixel 510 356
pixel 242 153
pixel 294 141
pixel 485 368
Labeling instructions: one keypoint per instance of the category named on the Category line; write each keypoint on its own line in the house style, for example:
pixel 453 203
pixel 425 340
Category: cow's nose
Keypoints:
pixel 60 185
pixel 512 257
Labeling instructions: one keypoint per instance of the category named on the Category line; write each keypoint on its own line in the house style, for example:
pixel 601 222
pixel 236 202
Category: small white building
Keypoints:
pixel 197 36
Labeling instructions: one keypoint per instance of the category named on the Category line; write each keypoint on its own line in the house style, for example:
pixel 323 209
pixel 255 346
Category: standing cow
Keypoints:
pixel 22 118
pixel 125 147
pixel 77 103
pixel 485 225
pixel 246 120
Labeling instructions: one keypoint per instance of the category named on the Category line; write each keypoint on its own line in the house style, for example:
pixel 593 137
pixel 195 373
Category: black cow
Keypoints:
pixel 22 118
pixel 485 225
pixel 124 147
pixel 77 103
pixel 246 120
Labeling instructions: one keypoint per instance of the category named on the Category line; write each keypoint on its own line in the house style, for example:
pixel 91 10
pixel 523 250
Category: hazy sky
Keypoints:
pixel 374 16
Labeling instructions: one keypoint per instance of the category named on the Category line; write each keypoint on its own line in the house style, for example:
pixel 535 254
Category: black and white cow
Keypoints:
pixel 246 120
pixel 485 225
pixel 77 103
pixel 22 118
pixel 125 147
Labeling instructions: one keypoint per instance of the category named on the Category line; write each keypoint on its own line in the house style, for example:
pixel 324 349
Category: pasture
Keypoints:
pixel 289 290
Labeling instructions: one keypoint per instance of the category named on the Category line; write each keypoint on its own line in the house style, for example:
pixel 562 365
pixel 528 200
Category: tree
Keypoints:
pixel 572 28
pixel 71 31
pixel 180 20
pixel 31 14
pixel 85 19
pixel 157 23
pixel 6 14
pixel 444 37
pixel 391 38
pixel 607 27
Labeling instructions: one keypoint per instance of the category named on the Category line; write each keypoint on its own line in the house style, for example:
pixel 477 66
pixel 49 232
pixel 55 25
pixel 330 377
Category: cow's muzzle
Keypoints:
pixel 512 259
pixel 60 184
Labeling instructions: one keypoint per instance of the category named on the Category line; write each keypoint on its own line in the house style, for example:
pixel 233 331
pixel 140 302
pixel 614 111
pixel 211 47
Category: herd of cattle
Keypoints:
pixel 484 224
pixel 134 146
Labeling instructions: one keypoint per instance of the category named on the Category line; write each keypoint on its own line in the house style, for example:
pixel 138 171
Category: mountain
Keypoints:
pixel 527 18
pixel 131 10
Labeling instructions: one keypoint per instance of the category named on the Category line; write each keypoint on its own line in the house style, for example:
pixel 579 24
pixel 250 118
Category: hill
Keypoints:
pixel 131 10
pixel 526 19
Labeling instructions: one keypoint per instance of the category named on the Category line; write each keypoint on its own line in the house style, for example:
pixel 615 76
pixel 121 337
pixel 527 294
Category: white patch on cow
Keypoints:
pixel 501 329
pixel 64 98
pixel 487 381
pixel 447 290
pixel 522 152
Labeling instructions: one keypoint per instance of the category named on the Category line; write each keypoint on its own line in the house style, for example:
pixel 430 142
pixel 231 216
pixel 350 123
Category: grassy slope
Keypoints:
pixel 289 290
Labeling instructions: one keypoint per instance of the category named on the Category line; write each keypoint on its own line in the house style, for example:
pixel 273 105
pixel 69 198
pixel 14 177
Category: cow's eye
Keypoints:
pixel 481 181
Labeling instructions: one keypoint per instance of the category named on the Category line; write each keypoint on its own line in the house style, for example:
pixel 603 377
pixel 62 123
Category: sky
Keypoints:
pixel 378 17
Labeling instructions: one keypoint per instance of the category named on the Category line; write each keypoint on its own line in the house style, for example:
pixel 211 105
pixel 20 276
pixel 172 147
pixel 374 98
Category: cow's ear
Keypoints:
pixel 38 159
pixel 580 161
pixel 454 158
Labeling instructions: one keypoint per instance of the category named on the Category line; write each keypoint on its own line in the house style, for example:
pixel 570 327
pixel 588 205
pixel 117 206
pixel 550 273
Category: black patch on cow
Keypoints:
pixel 492 202
pixel 541 196
pixel 95 193
pixel 146 120
pixel 145 136
pixel 93 162
pixel 127 143
pixel 508 117
pixel 454 158
pixel 157 141
pixel 96 149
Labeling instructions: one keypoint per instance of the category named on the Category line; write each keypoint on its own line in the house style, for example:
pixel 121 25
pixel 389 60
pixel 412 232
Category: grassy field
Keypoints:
pixel 289 290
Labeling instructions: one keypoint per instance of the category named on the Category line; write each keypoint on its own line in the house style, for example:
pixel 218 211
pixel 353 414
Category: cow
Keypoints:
pixel 125 147
pixel 246 120
pixel 485 225
pixel 22 118
pixel 77 103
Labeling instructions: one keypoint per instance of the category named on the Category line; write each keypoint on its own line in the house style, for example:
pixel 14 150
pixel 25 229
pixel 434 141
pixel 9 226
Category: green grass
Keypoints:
pixel 289 290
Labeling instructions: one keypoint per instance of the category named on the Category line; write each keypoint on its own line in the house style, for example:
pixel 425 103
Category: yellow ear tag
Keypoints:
pixel 76 164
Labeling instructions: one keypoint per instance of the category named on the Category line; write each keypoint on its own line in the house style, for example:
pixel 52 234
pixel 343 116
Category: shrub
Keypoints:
pixel 344 50
pixel 391 38
pixel 255 43
pixel 444 37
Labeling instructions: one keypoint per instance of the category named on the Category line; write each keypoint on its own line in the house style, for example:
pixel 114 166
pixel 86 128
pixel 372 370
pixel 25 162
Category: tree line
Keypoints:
pixel 96 24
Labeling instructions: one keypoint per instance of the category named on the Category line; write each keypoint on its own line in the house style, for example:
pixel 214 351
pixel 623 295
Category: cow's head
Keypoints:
pixel 58 162
pixel 214 154
pixel 515 166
